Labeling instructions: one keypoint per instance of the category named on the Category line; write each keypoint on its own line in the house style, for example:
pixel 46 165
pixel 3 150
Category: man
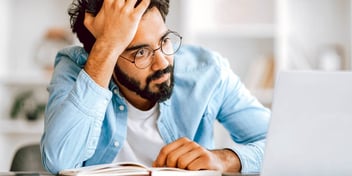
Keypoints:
pixel 135 94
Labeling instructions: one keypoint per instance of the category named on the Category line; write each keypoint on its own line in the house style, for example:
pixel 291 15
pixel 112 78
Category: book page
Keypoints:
pixel 113 169
pixel 133 169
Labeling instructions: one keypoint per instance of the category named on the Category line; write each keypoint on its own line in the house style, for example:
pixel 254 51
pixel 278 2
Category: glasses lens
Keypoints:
pixel 169 46
pixel 142 57
pixel 171 43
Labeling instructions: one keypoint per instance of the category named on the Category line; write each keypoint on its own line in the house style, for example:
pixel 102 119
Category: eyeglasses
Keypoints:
pixel 143 57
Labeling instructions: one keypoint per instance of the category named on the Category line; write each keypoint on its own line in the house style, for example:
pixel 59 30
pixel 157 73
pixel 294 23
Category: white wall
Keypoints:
pixel 23 24
pixel 4 37
pixel 314 26
pixel 29 21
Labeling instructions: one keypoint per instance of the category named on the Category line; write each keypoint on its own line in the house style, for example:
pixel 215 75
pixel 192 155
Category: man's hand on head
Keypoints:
pixel 114 27
pixel 117 21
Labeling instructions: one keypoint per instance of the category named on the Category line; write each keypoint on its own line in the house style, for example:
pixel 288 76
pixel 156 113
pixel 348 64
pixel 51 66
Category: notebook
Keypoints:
pixel 310 131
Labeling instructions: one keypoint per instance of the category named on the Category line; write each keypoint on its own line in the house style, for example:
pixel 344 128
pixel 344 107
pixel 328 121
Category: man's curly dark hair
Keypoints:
pixel 79 7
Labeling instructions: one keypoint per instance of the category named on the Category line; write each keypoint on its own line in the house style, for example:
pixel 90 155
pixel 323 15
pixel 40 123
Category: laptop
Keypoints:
pixel 310 132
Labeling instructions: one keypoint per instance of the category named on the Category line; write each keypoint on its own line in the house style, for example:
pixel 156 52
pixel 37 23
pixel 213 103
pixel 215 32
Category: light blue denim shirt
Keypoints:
pixel 85 124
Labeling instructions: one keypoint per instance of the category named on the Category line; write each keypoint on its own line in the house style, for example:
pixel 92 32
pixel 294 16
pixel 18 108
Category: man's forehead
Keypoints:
pixel 150 29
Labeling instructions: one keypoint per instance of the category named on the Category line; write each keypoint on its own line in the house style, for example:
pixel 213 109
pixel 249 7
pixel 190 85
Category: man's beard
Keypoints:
pixel 164 91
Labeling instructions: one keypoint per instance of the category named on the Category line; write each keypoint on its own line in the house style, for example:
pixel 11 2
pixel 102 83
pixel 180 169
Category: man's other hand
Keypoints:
pixel 187 154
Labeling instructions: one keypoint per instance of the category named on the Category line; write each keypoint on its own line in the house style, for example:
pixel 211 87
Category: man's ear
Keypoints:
pixel 88 23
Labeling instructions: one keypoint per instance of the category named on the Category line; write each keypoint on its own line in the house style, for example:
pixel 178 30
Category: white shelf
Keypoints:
pixel 27 78
pixel 258 31
pixel 21 127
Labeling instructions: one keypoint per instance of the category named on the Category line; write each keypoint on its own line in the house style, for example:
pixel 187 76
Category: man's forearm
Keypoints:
pixel 101 62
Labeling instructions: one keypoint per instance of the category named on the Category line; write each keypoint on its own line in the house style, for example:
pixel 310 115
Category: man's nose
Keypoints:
pixel 160 60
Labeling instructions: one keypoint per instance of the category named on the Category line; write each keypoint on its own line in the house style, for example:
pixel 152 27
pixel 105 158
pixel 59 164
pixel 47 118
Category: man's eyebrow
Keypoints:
pixel 165 34
pixel 136 47
pixel 145 45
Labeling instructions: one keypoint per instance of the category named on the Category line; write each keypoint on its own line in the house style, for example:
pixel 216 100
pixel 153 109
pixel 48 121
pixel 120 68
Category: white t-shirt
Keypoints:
pixel 143 141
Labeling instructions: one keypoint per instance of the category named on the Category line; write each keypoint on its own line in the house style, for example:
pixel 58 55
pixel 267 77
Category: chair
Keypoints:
pixel 27 158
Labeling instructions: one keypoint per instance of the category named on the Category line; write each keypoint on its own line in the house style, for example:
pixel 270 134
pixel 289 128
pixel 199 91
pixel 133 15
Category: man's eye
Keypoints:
pixel 142 52
pixel 166 40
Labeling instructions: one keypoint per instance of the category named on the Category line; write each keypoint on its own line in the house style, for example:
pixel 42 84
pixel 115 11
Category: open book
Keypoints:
pixel 133 169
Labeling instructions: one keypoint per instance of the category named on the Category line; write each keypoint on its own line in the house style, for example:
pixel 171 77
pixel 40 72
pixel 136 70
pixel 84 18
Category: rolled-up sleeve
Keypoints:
pixel 246 119
pixel 72 126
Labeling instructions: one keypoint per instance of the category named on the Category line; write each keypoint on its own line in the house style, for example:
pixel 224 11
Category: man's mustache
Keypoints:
pixel 159 73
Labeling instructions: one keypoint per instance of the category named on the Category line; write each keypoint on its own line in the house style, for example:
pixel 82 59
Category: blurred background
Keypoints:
pixel 259 38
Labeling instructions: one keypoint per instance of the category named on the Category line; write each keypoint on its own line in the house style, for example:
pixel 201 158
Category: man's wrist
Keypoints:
pixel 229 159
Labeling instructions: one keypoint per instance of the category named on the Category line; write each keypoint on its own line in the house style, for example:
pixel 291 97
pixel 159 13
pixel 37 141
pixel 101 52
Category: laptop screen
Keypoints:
pixel 311 124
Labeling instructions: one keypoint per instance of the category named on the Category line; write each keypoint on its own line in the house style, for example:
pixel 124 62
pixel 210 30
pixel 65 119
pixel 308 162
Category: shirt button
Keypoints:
pixel 116 143
pixel 116 91
pixel 121 107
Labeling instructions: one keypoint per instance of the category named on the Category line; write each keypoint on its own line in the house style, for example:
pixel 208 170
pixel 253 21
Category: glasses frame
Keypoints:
pixel 154 50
